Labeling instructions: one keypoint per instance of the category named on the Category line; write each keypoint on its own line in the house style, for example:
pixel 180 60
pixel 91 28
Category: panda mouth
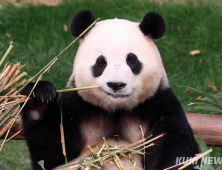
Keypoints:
pixel 116 95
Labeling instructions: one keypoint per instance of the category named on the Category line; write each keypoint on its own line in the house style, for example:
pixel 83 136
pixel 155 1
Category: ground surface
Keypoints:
pixel 34 2
pixel 38 35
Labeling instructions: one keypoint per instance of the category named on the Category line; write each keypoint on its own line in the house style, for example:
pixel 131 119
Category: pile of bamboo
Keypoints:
pixel 112 154
pixel 11 79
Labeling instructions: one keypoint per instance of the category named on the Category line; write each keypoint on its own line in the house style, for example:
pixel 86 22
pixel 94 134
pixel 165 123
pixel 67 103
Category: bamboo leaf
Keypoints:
pixel 201 143
pixel 213 98
pixel 203 102
pixel 208 108
pixel 203 148
pixel 217 95
pixel 41 163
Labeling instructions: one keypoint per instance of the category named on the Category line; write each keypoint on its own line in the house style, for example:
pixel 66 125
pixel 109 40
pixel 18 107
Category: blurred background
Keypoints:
pixel 39 30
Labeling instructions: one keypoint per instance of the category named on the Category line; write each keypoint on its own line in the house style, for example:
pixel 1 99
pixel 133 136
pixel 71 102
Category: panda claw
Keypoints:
pixel 44 92
pixel 54 92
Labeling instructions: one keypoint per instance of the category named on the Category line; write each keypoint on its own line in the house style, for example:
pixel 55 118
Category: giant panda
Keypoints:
pixel 121 58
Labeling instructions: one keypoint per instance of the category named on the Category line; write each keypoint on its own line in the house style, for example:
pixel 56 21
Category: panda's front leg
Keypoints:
pixel 177 144
pixel 167 117
pixel 41 121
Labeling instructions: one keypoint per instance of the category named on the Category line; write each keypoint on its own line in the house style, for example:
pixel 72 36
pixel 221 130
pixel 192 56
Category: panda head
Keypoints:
pixel 121 58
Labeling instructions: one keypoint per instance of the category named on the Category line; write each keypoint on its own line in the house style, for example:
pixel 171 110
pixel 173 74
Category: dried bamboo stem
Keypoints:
pixel 7 94
pixel 118 162
pixel 63 140
pixel 5 72
pixel 15 74
pixel 16 80
pixel 5 128
pixel 10 74
pixel 195 159
pixel 149 141
pixel 6 64
pixel 17 133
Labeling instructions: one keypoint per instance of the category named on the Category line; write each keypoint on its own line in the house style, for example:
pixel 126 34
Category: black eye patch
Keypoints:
pixel 134 64
pixel 99 66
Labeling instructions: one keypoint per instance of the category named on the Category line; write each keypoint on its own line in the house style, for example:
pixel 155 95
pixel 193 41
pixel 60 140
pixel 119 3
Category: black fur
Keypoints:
pixel 43 136
pixel 99 66
pixel 153 25
pixel 162 113
pixel 134 63
pixel 81 21
pixel 45 93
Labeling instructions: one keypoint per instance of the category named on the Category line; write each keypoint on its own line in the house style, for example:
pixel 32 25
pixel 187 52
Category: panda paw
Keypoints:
pixel 44 92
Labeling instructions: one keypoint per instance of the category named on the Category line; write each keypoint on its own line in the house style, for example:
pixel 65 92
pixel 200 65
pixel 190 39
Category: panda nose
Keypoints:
pixel 116 86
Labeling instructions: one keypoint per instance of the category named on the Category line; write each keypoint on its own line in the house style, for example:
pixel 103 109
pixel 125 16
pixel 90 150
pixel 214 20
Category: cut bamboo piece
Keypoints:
pixel 10 74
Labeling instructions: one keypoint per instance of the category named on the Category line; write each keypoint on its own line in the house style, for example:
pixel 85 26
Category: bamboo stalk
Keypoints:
pixel 96 157
pixel 15 111
pixel 5 120
pixel 133 144
pixel 104 140
pixel 195 159
pixel 6 53
pixel 10 74
pixel 149 141
pixel 16 80
pixel 5 72
pixel 17 133
pixel 188 161
pixel 63 140
pixel 15 74
pixel 6 64
pixel 5 128
pixel 152 144
pixel 76 89
pixel 95 166
pixel 101 150
pixel 118 162
pixel 14 102
pixel 7 94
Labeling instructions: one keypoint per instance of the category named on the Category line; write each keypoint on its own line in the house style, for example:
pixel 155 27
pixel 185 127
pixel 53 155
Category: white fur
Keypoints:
pixel 34 115
pixel 114 39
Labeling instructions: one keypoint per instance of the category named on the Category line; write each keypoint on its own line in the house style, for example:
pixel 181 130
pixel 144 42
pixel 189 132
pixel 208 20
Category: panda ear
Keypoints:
pixel 81 21
pixel 153 25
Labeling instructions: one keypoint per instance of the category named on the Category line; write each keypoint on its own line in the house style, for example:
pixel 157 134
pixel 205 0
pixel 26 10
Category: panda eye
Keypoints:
pixel 101 61
pixel 131 58
pixel 99 66
pixel 134 63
